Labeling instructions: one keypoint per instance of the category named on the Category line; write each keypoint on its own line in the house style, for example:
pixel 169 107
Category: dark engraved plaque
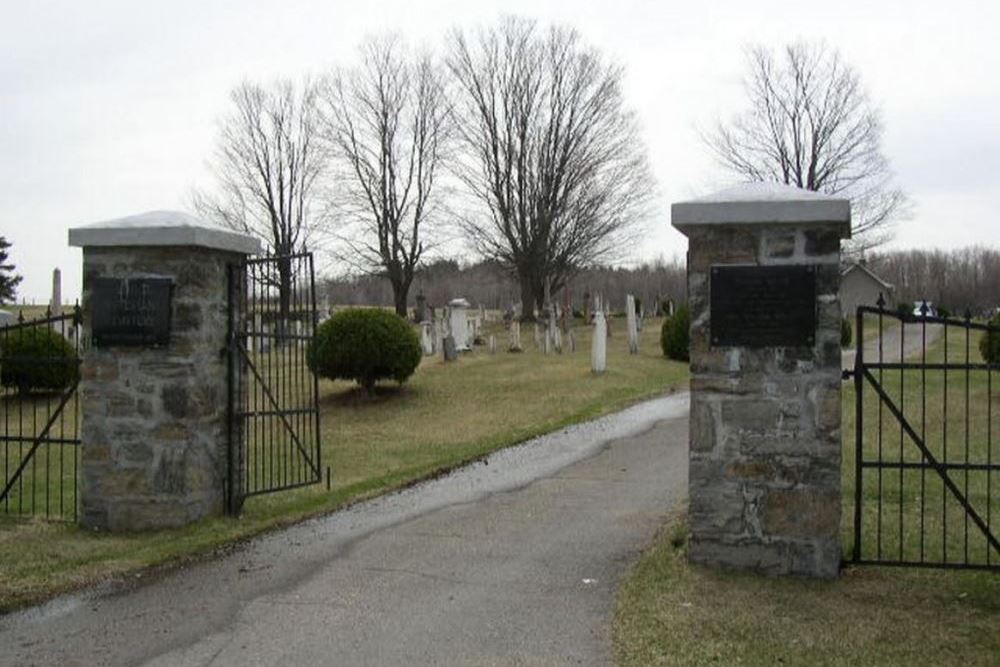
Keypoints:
pixel 131 311
pixel 763 306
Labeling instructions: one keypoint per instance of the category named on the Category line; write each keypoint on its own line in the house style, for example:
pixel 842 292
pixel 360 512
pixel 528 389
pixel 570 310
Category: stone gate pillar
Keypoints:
pixel 154 372
pixel 764 475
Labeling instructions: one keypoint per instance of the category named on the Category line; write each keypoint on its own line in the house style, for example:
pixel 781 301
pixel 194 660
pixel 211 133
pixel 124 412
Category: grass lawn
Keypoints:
pixel 673 613
pixel 670 612
pixel 447 414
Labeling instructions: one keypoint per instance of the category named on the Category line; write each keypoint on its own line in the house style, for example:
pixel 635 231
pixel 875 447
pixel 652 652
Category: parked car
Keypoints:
pixel 918 309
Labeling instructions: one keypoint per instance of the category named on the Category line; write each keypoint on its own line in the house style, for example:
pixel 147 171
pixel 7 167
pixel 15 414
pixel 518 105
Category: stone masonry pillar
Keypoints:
pixel 154 373
pixel 765 442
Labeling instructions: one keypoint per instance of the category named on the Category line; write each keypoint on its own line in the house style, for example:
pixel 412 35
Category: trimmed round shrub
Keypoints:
pixel 365 345
pixel 675 336
pixel 37 359
pixel 846 334
pixel 989 344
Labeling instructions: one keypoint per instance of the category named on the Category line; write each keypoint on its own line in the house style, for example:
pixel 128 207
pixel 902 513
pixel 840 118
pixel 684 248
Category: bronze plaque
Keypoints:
pixel 130 311
pixel 763 306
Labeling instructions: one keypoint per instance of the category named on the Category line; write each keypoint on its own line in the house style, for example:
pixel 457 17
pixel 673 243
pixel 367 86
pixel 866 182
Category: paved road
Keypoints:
pixel 514 562
pixel 899 342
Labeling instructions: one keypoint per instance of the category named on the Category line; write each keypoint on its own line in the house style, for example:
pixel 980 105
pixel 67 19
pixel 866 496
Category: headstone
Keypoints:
pixel 765 438
pixel 572 341
pixel 420 314
pixel 265 339
pixel 441 329
pixel 458 323
pixel 599 345
pixel 56 303
pixel 631 324
pixel 515 337
pixel 449 348
pixel 493 344
pixel 553 336
pixel 427 338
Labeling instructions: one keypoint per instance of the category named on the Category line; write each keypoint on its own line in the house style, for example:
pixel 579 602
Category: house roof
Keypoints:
pixel 867 272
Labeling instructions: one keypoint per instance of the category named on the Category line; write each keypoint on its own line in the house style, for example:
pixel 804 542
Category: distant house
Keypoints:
pixel 860 287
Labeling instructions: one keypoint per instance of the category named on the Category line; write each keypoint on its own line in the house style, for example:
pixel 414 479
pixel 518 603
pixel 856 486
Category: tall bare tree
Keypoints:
pixel 268 164
pixel 550 151
pixel 387 121
pixel 811 124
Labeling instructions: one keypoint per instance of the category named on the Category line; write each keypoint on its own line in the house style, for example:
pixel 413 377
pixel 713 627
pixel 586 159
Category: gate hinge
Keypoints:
pixel 847 374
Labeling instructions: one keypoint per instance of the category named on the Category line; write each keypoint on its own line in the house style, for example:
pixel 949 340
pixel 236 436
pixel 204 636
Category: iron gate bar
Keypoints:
pixel 911 465
pixel 933 463
pixel 38 440
pixel 276 412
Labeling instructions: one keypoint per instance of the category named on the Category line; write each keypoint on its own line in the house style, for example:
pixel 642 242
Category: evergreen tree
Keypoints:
pixel 8 279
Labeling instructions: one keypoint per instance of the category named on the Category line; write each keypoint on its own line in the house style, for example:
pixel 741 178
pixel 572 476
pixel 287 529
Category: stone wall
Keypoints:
pixel 154 420
pixel 765 423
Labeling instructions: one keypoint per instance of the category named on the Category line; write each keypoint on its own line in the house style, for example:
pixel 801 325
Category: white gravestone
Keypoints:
pixel 427 338
pixel 598 350
pixel 457 319
pixel 56 303
pixel 515 337
pixel 631 324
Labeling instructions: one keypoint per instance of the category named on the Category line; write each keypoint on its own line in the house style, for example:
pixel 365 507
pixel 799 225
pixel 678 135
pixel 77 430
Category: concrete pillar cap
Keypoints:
pixel 162 228
pixel 763 204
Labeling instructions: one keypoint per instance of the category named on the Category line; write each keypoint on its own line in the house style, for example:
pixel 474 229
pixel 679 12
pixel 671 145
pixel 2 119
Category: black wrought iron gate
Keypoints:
pixel 273 396
pixel 40 416
pixel 924 442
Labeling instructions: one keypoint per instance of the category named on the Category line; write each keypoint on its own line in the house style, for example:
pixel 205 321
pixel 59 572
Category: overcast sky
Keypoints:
pixel 110 108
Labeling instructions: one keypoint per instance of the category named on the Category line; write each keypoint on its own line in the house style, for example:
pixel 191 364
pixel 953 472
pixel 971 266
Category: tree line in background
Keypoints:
pixel 956 280
pixel 489 284
pixel 517 142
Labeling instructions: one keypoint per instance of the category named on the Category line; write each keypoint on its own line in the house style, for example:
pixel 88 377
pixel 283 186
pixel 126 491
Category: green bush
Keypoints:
pixel 37 359
pixel 989 344
pixel 365 345
pixel 846 334
pixel 675 336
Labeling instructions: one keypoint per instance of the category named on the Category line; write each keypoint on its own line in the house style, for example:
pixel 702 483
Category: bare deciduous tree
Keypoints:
pixel 811 125
pixel 387 124
pixel 268 164
pixel 551 152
